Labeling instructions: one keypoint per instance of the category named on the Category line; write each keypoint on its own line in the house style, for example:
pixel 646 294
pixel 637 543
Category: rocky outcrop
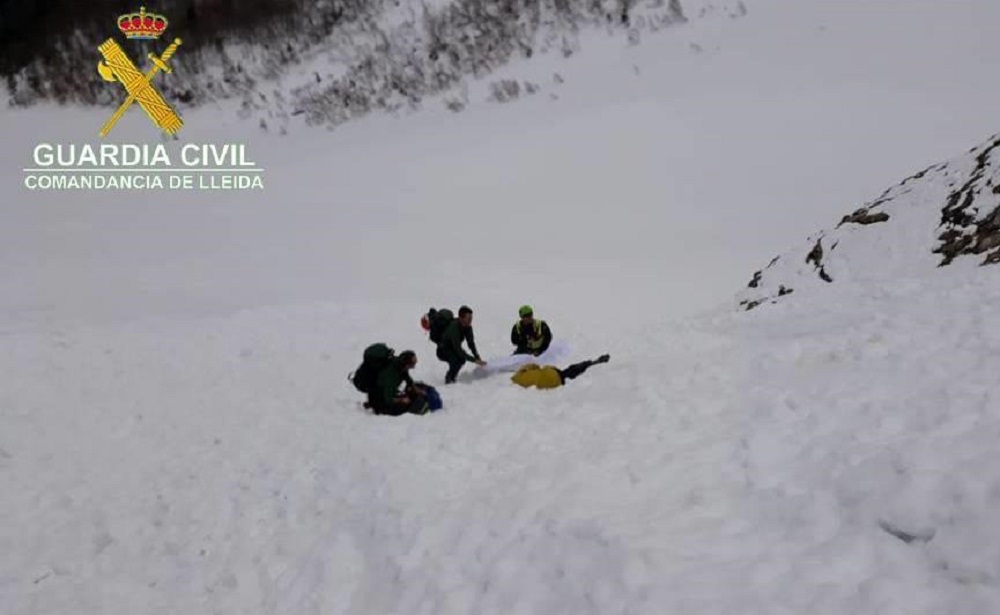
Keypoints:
pixel 970 221
pixel 933 218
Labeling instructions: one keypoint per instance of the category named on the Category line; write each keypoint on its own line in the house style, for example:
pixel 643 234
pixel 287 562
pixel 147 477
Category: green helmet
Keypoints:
pixel 525 310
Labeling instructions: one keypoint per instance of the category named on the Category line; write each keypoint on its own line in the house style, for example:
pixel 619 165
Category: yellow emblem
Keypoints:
pixel 117 66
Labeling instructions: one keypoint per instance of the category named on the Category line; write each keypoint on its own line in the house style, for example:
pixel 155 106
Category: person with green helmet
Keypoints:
pixel 530 336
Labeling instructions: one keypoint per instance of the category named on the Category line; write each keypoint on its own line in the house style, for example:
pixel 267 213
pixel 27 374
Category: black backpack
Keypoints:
pixel 376 358
pixel 439 319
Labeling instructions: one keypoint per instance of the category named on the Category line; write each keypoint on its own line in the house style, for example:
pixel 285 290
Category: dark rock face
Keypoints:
pixel 863 216
pixel 815 257
pixel 970 220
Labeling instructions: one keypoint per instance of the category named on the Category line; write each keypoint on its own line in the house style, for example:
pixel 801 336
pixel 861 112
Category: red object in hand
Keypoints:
pixel 425 322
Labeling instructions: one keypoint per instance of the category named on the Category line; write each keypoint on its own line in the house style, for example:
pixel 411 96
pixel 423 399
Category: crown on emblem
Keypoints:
pixel 142 25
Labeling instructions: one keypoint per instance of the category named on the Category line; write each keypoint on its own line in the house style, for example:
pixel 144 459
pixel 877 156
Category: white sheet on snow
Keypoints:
pixel 557 354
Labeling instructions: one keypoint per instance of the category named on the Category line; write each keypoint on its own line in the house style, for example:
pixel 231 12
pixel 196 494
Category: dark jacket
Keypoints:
pixel 383 396
pixel 452 338
pixel 531 340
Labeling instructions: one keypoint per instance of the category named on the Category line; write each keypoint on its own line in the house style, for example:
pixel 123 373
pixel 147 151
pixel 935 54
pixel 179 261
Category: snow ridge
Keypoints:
pixel 950 209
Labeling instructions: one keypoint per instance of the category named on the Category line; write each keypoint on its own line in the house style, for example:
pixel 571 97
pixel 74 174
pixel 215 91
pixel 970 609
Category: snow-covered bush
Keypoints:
pixel 374 54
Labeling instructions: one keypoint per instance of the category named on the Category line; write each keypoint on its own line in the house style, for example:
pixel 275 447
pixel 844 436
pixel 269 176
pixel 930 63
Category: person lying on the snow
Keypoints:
pixel 549 377
pixel 450 348
pixel 386 398
pixel 530 336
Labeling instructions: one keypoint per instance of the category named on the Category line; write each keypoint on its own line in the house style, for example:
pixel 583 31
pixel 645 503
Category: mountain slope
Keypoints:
pixel 836 455
pixel 946 212
pixel 329 62
pixel 177 434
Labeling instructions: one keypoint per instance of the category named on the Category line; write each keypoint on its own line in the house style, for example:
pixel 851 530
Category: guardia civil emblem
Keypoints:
pixel 139 87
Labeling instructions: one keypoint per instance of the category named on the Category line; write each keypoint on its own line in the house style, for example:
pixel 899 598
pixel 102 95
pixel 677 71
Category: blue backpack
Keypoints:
pixel 433 399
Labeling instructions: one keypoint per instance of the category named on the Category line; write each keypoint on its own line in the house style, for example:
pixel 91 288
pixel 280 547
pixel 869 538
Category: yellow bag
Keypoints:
pixel 532 375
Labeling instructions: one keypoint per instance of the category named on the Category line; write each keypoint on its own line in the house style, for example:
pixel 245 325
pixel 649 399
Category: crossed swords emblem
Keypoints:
pixel 117 66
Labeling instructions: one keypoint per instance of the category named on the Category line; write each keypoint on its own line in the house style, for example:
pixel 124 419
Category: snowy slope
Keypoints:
pixel 835 456
pixel 176 434
pixel 946 212
pixel 324 63
pixel 659 173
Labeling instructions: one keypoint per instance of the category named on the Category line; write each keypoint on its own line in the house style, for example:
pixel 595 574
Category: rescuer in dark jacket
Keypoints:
pixel 387 397
pixel 450 348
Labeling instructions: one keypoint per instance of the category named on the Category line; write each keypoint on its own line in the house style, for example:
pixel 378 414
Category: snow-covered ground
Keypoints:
pixel 176 434
pixel 727 463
